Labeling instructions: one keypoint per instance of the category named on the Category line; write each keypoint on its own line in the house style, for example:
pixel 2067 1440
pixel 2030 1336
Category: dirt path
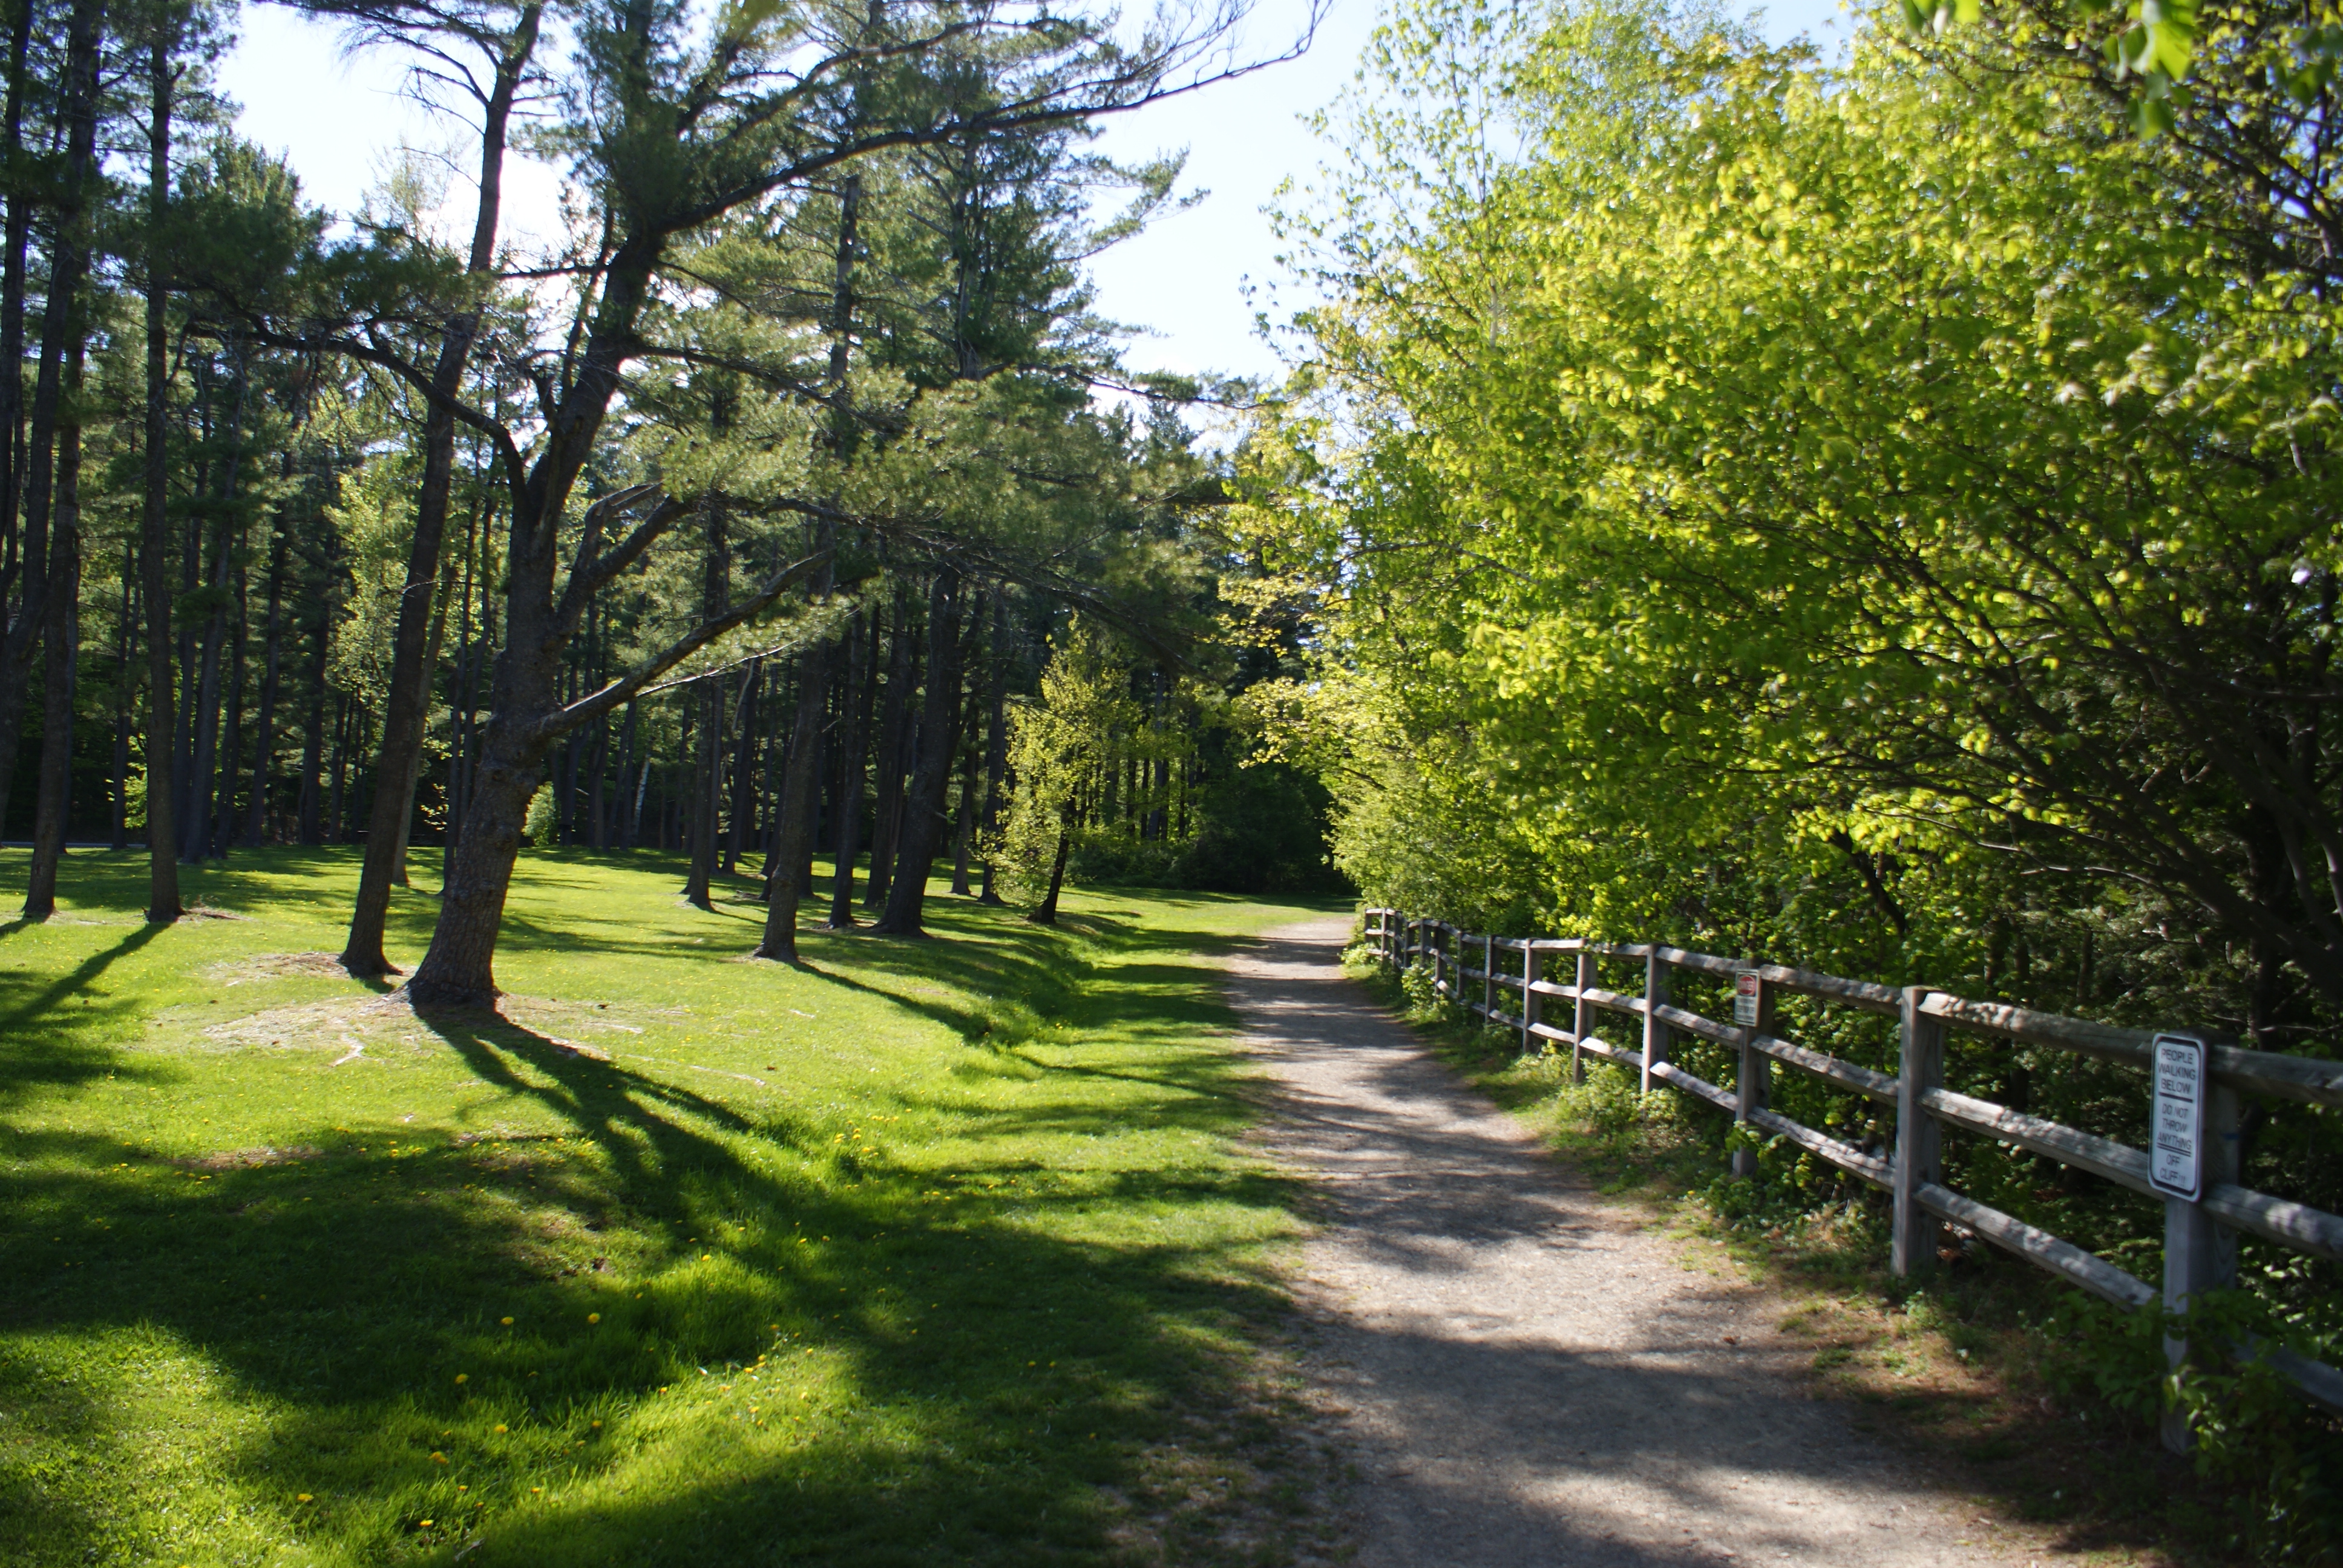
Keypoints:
pixel 1522 1377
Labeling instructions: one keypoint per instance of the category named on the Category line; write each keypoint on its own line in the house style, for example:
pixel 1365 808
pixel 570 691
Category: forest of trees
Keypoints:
pixel 741 524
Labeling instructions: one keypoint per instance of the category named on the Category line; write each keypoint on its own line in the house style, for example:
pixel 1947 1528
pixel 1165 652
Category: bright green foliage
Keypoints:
pixel 1880 518
pixel 1057 746
pixel 910 1255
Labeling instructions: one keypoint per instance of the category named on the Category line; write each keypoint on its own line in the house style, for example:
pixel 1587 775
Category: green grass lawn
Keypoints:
pixel 941 1252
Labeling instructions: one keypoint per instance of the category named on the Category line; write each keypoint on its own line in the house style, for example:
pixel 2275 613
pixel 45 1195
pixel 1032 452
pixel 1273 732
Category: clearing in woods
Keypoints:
pixel 942 1252
pixel 947 1251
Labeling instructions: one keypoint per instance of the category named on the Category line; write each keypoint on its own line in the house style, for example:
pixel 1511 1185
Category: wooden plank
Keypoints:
pixel 1837 1070
pixel 1548 988
pixel 1845 1156
pixel 2316 1381
pixel 1864 994
pixel 1676 1077
pixel 1694 1023
pixel 1604 1048
pixel 2039 1247
pixel 2303 1077
pixel 1611 999
pixel 2118 1162
pixel 2296 1225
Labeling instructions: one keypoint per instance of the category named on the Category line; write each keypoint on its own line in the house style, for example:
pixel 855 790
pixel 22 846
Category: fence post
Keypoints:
pixel 1581 1016
pixel 2199 1255
pixel 1488 979
pixel 1919 1141
pixel 1529 993
pixel 1757 1075
pixel 1658 973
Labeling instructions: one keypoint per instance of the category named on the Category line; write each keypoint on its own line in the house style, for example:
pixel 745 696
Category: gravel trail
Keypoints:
pixel 1520 1374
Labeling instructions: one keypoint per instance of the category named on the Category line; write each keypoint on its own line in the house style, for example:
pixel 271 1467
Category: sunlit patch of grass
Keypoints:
pixel 921 1253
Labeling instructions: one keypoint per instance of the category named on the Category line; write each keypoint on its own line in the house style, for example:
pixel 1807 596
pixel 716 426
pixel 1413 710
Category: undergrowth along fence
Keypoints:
pixel 2200 1233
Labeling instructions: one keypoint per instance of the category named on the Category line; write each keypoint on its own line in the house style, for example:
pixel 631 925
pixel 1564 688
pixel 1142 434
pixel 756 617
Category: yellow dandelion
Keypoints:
pixel 597 1423
pixel 507 1321
pixel 537 1489
pixel 463 1377
pixel 498 1427
pixel 303 1497
pixel 438 1458
pixel 593 1317
pixel 422 1524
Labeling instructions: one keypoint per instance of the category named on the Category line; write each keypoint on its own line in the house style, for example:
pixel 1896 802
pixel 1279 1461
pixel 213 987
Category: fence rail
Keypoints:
pixel 2199 1241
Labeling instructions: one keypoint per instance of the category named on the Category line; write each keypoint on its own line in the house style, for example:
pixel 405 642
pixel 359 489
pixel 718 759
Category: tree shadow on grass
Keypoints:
pixel 336 1300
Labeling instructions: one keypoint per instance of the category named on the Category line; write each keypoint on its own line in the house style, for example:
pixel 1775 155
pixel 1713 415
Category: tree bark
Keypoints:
pixel 414 762
pixel 404 710
pixel 894 716
pixel 232 727
pixel 264 738
pixel 744 765
pixel 854 721
pixel 996 738
pixel 800 783
pixel 125 698
pixel 61 651
pixel 18 241
pixel 313 738
pixel 1045 913
pixel 923 809
pixel 204 766
pixel 68 264
pixel 698 886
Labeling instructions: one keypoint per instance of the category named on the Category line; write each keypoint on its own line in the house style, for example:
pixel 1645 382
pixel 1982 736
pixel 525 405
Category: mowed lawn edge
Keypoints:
pixel 928 1251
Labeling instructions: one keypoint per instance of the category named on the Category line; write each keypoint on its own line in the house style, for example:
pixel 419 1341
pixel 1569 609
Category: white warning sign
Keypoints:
pixel 2176 1154
pixel 1744 997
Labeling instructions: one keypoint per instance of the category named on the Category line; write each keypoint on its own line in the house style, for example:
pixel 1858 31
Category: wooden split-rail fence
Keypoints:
pixel 2199 1235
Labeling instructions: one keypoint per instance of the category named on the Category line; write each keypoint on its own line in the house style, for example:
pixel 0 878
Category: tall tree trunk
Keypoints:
pixel 126 697
pixel 78 117
pixel 923 807
pixel 965 754
pixel 801 782
pixel 714 589
pixel 201 766
pixel 404 710
pixel 313 738
pixel 343 724
pixel 894 716
pixel 996 737
pixel 854 726
pixel 414 762
pixel 232 728
pixel 204 767
pixel 62 652
pixel 744 766
pixel 263 739
pixel 631 833
pixel 17 242
pixel 1045 913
